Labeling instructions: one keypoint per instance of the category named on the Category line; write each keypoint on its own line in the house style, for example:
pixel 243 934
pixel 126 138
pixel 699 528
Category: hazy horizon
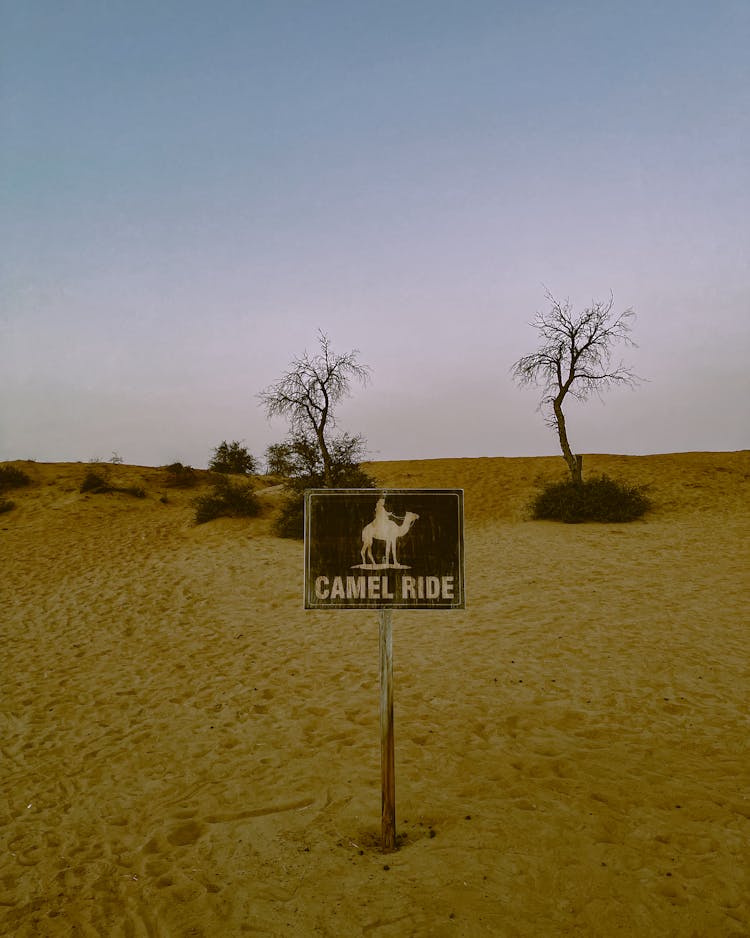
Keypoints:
pixel 189 194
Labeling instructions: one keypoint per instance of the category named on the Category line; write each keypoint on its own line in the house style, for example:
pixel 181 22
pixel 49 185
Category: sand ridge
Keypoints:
pixel 185 751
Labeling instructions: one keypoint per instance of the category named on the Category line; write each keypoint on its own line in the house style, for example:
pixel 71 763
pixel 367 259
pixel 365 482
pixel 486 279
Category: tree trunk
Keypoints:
pixel 575 463
pixel 326 457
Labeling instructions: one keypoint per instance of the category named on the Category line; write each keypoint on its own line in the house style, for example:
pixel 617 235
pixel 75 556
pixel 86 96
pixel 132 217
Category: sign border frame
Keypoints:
pixel 370 605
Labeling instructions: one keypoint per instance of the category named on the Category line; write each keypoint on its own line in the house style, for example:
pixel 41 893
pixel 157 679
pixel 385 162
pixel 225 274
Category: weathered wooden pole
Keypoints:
pixel 387 756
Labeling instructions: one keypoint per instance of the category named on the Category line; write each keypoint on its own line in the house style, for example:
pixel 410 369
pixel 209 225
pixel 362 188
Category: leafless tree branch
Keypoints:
pixel 574 360
pixel 307 394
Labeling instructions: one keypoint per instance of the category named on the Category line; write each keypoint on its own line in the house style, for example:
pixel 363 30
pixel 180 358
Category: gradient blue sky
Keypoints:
pixel 189 191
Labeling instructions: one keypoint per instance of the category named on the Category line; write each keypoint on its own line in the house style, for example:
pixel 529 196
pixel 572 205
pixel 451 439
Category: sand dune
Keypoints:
pixel 186 752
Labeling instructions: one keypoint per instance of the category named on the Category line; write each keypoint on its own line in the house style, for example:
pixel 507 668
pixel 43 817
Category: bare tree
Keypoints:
pixel 308 393
pixel 575 359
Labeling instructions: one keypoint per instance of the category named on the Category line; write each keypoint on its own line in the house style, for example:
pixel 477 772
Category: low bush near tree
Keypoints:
pixel 179 476
pixel 596 499
pixel 11 477
pixel 298 460
pixel 290 521
pixel 97 483
pixel 226 501
pixel 6 505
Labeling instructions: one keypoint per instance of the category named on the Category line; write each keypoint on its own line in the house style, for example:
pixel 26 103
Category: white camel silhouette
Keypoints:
pixel 383 529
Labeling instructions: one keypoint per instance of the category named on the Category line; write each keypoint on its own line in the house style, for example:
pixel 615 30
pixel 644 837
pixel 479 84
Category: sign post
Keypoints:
pixel 387 750
pixel 384 549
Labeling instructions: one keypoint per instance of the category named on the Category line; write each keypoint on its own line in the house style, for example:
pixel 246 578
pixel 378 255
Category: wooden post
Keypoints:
pixel 387 758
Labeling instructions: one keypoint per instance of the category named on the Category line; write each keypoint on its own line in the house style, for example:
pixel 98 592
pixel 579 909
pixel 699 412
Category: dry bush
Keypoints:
pixel 226 501
pixel 597 499
pixel 11 477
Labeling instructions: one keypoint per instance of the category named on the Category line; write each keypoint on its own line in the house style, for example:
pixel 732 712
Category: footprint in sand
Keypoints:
pixel 185 834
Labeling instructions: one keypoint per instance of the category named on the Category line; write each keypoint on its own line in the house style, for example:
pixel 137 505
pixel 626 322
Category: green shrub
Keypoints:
pixel 290 521
pixel 597 499
pixel 232 458
pixel 6 505
pixel 179 476
pixel 95 482
pixel 299 461
pixel 98 484
pixel 11 477
pixel 226 501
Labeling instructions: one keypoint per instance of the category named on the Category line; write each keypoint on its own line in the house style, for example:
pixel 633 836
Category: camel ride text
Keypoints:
pixel 383 587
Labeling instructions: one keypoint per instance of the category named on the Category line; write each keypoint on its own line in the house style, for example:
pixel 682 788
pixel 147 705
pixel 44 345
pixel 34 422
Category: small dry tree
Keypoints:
pixel 575 360
pixel 307 395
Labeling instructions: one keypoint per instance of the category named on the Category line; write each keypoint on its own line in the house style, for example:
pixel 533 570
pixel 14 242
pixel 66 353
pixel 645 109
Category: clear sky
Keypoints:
pixel 190 190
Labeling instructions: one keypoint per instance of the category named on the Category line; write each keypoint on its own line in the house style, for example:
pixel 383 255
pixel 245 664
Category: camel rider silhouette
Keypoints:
pixel 382 514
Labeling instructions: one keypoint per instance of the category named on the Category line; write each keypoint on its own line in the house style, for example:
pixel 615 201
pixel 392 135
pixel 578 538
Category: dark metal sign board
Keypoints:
pixel 384 548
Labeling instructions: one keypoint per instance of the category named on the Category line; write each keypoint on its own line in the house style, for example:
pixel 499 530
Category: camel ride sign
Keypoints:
pixel 384 548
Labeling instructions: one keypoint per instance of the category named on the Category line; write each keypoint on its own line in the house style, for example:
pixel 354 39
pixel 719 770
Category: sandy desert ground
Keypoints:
pixel 186 752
